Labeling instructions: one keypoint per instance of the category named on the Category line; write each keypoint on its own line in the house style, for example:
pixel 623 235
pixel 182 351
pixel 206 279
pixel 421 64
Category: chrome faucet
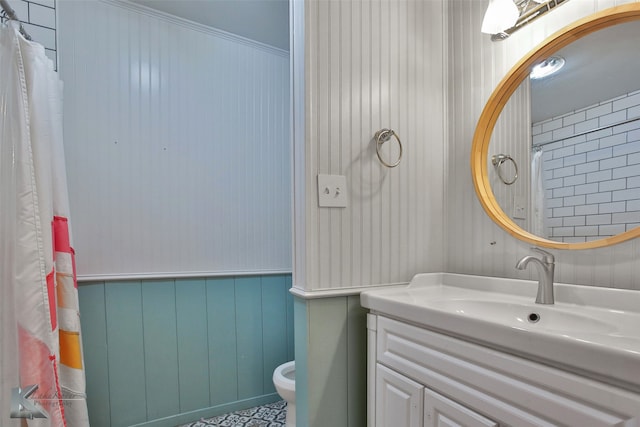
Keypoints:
pixel 546 266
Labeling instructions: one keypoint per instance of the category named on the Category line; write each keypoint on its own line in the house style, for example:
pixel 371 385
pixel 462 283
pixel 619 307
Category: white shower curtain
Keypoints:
pixel 537 195
pixel 40 341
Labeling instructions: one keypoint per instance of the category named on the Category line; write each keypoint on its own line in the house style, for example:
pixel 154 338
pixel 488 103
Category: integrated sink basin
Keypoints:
pixel 593 331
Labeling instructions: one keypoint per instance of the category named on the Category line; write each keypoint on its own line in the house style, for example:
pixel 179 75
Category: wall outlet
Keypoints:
pixel 332 191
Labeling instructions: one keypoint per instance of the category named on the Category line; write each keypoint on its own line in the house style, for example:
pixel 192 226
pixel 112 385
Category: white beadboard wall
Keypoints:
pixel 177 144
pixel 364 66
pixel 476 65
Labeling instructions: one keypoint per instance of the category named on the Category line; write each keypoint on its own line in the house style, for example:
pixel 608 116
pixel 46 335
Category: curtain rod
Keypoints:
pixel 11 15
pixel 622 122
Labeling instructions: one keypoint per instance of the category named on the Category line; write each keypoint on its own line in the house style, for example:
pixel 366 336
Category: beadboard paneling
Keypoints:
pixel 476 65
pixel 177 144
pixel 368 65
pixel 183 349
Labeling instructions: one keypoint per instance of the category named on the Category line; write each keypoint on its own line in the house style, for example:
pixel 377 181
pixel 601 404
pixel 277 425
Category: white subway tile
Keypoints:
pixel 608 141
pixel 44 36
pixel 574 118
pixel 566 211
pixel 599 198
pixel 563 192
pixel 575 159
pixel 48 3
pixel 562 231
pixel 625 172
pixel 552 125
pixel 627 127
pixel 553 164
pixel 633 159
pixel 586 188
pixel 633 182
pixel 542 138
pixel 554 202
pixel 611 230
pixel 586 210
pixel 626 102
pixel 603 219
pixel 554 145
pixel 633 112
pixel 604 175
pixel 633 135
pixel 598 111
pixel 547 175
pixel 565 133
pixel 632 226
pixel 626 217
pixel 566 171
pixel 587 146
pixel 628 148
pixel 617 184
pixel 614 162
pixel 574 200
pixel 604 208
pixel 599 154
pixel 633 205
pixel 575 180
pixel 586 126
pixel 554 222
pixel 571 221
pixel 630 194
pixel 586 231
pixel 613 118
pixel 43 16
pixel 553 183
pixel 588 167
pixel 602 133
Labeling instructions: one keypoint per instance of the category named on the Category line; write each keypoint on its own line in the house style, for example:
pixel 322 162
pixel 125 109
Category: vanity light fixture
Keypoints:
pixel 547 67
pixel 504 17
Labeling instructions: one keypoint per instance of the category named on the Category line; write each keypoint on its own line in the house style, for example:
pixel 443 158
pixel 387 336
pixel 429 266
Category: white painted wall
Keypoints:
pixel 360 66
pixel 476 65
pixel 177 144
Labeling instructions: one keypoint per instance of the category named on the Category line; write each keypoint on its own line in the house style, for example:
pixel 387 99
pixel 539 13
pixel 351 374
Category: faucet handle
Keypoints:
pixel 546 256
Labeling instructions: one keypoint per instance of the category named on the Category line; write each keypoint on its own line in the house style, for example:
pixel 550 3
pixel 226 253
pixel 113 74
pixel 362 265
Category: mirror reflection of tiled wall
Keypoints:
pixel 592 170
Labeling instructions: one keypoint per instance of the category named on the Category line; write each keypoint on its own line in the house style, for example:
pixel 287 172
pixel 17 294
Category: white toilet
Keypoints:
pixel 284 378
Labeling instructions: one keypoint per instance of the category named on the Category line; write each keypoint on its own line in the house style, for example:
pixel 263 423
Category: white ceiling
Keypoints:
pixel 600 66
pixel 265 21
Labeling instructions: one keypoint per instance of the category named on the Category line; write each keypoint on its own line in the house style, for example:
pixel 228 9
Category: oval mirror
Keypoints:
pixel 556 161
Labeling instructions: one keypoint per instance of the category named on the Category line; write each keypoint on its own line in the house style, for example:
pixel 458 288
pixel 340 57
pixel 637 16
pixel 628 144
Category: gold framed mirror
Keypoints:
pixel 501 96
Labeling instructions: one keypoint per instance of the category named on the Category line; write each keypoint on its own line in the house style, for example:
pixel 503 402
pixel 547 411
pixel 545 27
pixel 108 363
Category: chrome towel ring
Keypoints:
pixel 498 160
pixel 382 136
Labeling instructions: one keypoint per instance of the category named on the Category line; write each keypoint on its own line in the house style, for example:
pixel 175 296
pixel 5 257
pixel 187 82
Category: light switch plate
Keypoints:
pixel 332 191
pixel 519 208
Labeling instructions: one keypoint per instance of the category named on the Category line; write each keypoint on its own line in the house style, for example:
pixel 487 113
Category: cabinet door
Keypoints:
pixel 398 400
pixel 440 411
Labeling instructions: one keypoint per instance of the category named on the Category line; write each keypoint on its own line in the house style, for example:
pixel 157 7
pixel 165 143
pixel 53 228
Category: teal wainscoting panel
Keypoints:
pixel 223 361
pixel 160 348
pixel 94 345
pixel 249 330
pixel 193 348
pixel 356 362
pixel 125 350
pixel 165 352
pixel 274 327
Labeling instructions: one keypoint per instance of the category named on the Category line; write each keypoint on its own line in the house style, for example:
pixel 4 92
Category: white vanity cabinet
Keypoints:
pixel 418 377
